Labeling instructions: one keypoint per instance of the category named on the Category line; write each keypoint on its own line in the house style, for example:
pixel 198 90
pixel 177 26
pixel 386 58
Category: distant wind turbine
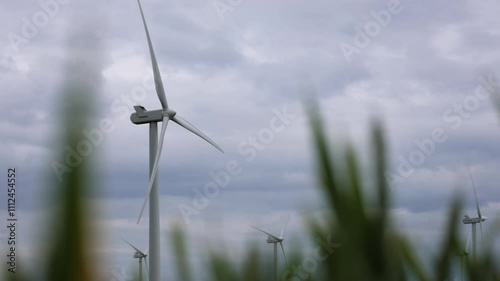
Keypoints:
pixel 474 221
pixel 142 116
pixel 140 255
pixel 271 238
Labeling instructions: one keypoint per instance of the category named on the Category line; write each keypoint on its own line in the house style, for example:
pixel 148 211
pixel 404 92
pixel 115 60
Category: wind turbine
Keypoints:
pixel 140 255
pixel 142 116
pixel 271 238
pixel 474 221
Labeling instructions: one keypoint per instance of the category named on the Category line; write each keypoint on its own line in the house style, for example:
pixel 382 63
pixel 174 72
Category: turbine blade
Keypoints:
pixel 188 126
pixel 147 267
pixel 135 248
pixel 155 166
pixel 269 234
pixel 147 251
pixel 283 249
pixel 286 223
pixel 475 194
pixel 160 91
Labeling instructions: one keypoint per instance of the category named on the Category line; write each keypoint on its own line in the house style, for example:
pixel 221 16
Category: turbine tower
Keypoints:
pixel 271 238
pixel 142 116
pixel 464 253
pixel 474 221
pixel 140 255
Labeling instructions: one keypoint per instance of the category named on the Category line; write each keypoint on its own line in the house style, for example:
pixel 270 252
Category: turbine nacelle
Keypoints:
pixel 274 240
pixel 138 256
pixel 143 116
pixel 469 220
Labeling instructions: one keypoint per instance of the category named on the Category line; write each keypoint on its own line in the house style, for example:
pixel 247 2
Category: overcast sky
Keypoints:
pixel 238 70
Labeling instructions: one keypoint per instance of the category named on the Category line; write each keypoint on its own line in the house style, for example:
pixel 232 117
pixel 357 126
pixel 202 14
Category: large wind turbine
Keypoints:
pixel 271 238
pixel 140 255
pixel 474 221
pixel 142 116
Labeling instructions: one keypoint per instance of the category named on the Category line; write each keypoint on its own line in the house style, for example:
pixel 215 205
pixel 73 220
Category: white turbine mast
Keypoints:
pixel 273 239
pixel 142 116
pixel 464 254
pixel 140 255
pixel 473 221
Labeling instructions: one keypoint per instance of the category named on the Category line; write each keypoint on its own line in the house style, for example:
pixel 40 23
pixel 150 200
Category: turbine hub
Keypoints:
pixel 169 112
